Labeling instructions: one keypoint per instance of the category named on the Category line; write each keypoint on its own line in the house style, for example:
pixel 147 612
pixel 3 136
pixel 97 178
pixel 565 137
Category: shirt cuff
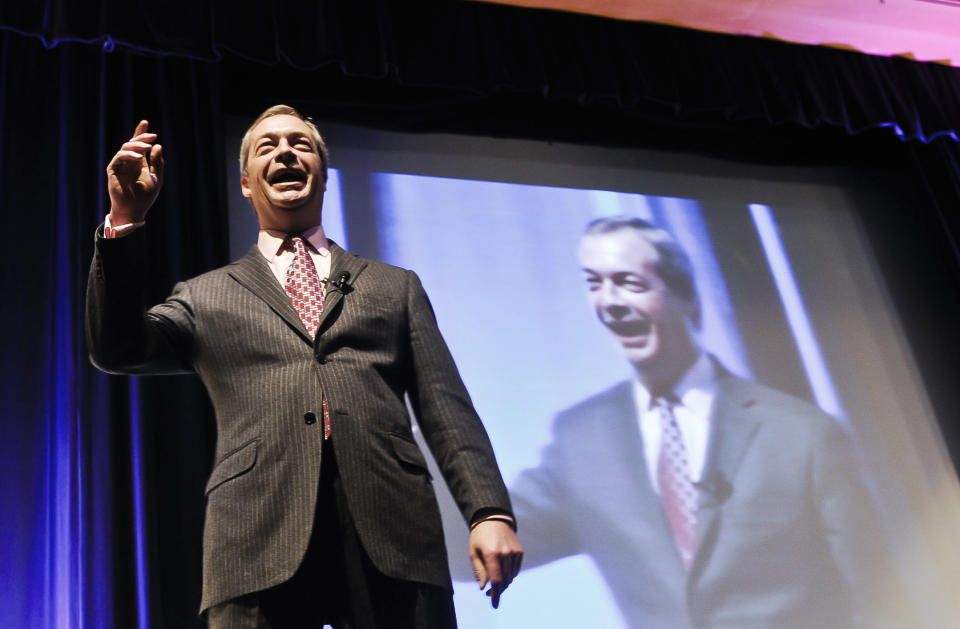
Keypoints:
pixel 500 517
pixel 109 231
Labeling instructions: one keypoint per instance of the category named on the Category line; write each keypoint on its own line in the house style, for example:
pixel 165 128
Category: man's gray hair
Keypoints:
pixel 673 264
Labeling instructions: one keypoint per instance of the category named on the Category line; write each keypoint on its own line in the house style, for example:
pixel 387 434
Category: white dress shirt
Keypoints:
pixel 270 244
pixel 695 391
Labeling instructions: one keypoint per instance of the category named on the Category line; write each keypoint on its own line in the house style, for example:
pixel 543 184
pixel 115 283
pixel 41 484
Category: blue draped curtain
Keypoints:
pixel 78 447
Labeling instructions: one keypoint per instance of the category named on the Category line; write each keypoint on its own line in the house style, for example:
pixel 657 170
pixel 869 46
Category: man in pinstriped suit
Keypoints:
pixel 301 529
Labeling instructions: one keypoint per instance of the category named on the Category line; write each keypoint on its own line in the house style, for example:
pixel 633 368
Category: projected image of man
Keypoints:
pixel 705 500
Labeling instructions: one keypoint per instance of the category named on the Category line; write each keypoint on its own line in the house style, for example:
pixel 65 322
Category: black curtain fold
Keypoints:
pixel 933 331
pixel 482 49
pixel 90 523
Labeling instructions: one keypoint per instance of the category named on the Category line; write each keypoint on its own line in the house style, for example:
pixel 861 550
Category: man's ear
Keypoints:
pixel 245 186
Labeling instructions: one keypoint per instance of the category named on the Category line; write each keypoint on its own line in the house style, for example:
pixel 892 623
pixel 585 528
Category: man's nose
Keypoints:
pixel 609 301
pixel 285 153
pixel 609 295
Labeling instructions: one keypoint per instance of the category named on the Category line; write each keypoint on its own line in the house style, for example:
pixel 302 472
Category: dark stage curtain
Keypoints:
pixel 483 49
pixel 101 499
pixel 86 468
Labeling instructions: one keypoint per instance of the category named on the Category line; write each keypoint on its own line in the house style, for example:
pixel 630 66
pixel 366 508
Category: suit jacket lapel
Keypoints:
pixel 620 461
pixel 254 274
pixel 734 424
pixel 342 263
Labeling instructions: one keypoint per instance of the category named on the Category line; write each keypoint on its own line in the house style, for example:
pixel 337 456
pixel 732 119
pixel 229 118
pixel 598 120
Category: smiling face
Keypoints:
pixel 651 324
pixel 284 177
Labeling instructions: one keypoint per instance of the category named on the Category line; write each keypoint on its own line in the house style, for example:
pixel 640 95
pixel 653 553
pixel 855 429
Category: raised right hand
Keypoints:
pixel 135 176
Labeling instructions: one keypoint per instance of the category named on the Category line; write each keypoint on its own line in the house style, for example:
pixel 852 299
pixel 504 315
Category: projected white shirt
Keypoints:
pixel 695 392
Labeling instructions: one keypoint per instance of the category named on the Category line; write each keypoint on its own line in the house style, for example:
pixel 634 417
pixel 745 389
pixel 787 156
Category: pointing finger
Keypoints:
pixel 142 127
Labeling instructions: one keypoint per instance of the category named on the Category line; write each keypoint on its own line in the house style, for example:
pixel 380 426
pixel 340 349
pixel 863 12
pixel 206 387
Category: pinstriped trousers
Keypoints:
pixel 337 584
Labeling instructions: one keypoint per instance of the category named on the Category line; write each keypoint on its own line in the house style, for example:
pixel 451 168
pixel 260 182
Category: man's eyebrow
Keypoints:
pixel 273 135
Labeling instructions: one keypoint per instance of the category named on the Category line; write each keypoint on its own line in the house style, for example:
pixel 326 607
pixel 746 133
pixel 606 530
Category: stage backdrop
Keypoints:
pixel 790 291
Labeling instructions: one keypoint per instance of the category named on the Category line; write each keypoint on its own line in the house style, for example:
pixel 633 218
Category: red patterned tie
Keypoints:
pixel 676 488
pixel 304 287
pixel 306 293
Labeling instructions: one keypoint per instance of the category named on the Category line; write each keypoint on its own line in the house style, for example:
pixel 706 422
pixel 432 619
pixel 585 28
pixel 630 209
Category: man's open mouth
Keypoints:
pixel 287 176
pixel 639 327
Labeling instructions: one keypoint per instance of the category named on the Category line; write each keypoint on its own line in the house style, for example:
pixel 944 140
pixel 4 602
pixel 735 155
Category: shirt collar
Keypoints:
pixel 270 242
pixel 695 389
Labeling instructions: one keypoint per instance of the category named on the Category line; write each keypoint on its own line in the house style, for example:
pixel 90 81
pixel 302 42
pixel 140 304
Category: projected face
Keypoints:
pixel 648 320
pixel 284 178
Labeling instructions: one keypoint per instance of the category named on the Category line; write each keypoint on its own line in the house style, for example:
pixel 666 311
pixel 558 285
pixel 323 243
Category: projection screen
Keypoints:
pixel 790 294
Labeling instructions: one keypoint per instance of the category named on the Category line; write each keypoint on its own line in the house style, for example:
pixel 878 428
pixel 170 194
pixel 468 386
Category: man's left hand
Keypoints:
pixel 496 553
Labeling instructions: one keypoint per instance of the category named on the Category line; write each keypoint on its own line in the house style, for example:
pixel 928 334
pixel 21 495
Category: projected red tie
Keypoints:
pixel 305 290
pixel 676 488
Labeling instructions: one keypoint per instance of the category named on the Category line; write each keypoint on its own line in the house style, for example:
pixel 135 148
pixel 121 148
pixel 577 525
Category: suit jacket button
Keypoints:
pixel 309 418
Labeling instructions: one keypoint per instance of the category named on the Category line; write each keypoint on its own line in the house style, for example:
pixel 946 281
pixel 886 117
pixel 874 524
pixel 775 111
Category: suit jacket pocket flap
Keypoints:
pixel 234 464
pixel 408 451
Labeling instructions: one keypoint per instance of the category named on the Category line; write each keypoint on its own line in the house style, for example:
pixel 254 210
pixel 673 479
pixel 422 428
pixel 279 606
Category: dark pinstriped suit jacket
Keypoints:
pixel 378 339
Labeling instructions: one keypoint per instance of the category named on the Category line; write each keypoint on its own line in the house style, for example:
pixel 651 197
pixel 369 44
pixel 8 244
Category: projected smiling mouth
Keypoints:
pixel 630 329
